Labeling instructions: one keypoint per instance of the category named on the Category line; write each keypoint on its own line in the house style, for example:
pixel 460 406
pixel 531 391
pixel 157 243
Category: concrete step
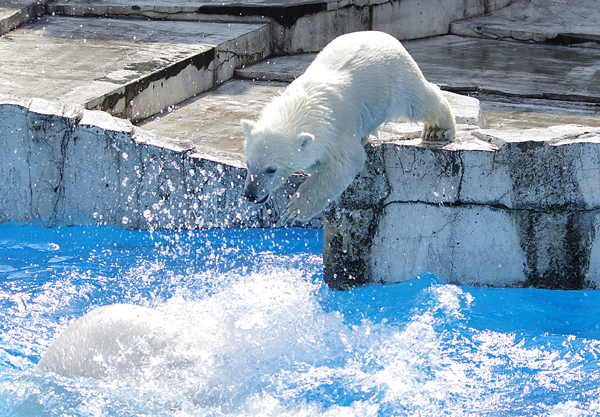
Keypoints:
pixel 285 12
pixel 559 21
pixel 130 68
pixel 13 13
pixel 210 122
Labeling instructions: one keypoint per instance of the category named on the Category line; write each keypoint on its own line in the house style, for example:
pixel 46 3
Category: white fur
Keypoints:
pixel 318 125
pixel 118 341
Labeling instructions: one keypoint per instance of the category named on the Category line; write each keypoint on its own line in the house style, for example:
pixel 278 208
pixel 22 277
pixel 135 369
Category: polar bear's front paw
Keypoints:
pixel 324 185
pixel 303 206
pixel 434 133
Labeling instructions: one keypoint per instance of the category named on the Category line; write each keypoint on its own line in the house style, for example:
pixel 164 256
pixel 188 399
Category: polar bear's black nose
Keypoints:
pixel 251 195
pixel 254 192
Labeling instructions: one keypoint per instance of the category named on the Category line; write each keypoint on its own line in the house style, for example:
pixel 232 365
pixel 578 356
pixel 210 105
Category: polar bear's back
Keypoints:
pixel 368 54
pixel 374 74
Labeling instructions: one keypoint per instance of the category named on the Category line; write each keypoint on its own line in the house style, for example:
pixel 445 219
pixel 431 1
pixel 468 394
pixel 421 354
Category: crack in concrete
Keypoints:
pixel 496 206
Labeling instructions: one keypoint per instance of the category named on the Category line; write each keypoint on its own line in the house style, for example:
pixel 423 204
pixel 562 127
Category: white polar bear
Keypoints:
pixel 113 341
pixel 321 121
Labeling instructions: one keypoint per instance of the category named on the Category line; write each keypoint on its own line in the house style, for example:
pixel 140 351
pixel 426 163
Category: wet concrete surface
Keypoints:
pixel 536 20
pixel 530 113
pixel 81 60
pixel 510 68
pixel 210 122
pixel 482 65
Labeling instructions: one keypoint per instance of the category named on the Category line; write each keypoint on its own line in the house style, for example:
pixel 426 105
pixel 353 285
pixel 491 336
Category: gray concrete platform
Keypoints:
pixel 559 21
pixel 504 112
pixel 510 68
pixel 130 68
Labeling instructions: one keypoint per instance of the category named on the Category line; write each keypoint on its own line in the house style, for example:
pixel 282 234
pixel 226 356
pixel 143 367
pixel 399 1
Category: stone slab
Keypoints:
pixel 503 112
pixel 510 68
pixel 132 68
pixel 488 246
pixel 533 169
pixel 538 21
pixel 279 68
pixel 413 19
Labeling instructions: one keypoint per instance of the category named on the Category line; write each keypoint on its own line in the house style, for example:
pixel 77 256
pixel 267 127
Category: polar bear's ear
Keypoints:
pixel 304 140
pixel 248 126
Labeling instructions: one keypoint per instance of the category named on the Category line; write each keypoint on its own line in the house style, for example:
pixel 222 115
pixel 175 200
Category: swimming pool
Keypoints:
pixel 264 336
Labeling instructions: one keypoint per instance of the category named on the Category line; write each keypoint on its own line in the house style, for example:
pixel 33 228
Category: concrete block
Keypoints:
pixel 537 21
pixel 470 244
pixel 14 13
pixel 501 208
pixel 312 32
pixel 31 167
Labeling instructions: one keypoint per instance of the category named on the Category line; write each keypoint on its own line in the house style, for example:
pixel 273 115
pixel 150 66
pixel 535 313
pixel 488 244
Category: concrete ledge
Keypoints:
pixel 498 208
pixel 68 165
pixel 136 179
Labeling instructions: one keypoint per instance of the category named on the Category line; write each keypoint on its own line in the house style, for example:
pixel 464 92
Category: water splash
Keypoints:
pixel 252 330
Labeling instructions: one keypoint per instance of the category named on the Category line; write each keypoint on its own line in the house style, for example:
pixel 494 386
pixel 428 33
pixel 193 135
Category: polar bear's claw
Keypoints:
pixel 434 133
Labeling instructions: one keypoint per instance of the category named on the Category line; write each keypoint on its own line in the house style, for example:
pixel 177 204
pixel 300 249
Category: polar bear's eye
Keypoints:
pixel 270 170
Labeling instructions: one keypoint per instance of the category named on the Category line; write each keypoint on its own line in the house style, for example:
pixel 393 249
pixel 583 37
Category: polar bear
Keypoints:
pixel 118 340
pixel 320 123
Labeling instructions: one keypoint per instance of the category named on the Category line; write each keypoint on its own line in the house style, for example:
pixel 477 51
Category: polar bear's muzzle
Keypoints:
pixel 257 188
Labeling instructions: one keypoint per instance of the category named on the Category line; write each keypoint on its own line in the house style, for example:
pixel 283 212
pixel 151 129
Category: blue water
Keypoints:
pixel 266 337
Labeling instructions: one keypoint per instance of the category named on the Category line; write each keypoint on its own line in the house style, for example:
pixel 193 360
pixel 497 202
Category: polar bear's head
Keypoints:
pixel 271 158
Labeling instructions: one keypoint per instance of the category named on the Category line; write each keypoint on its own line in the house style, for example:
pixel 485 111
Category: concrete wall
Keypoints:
pixel 404 19
pixel 499 208
pixel 64 165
